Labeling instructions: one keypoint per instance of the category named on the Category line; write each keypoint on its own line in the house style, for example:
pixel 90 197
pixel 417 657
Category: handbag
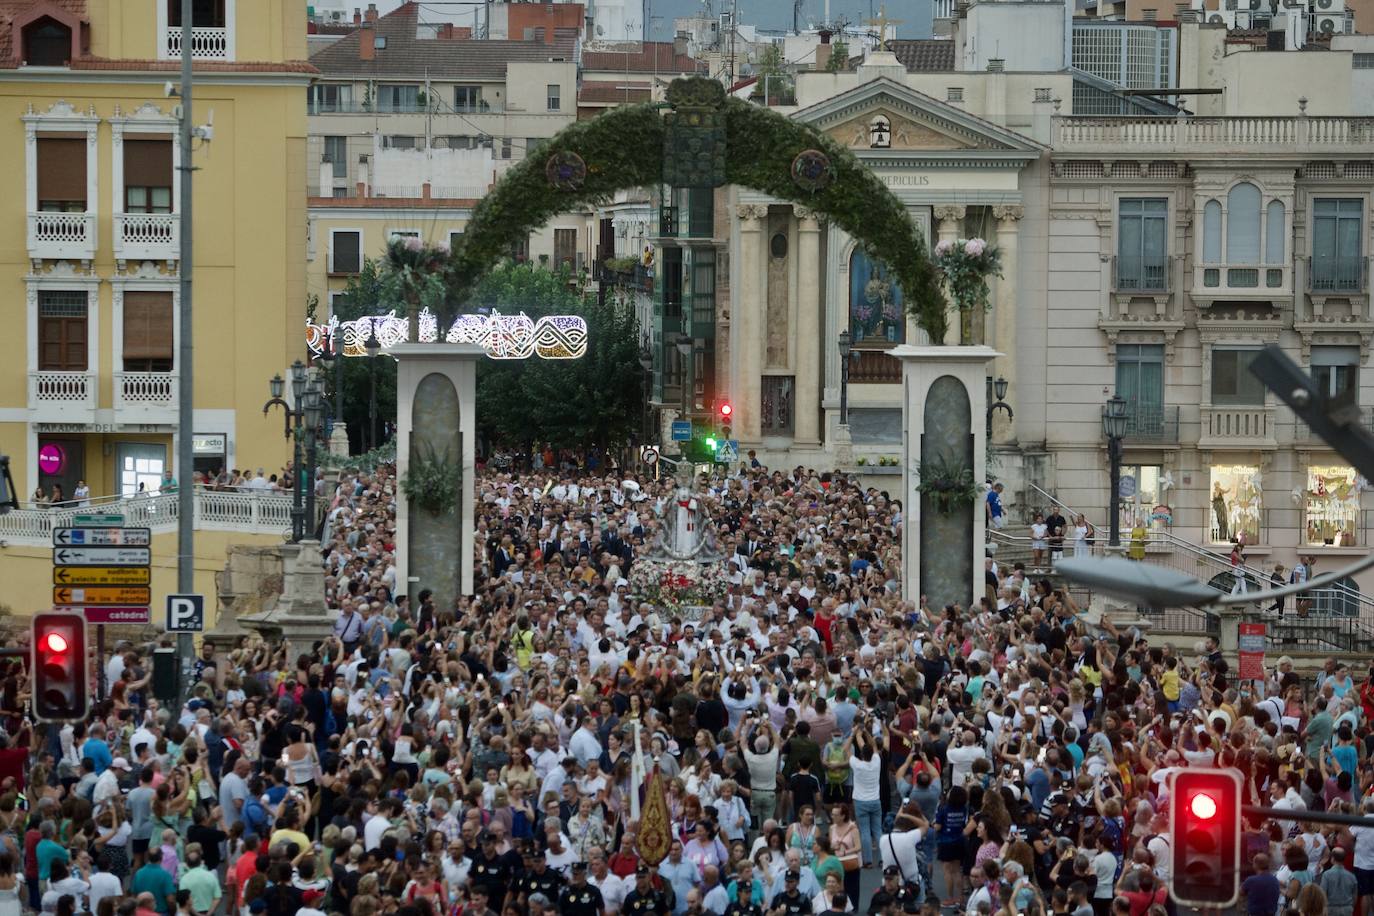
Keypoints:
pixel 912 887
pixel 851 862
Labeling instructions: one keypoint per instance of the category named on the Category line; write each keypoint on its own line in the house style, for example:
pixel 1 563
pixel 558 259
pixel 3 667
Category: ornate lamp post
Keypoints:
pixel 845 350
pixel 999 391
pixel 1114 428
pixel 313 407
pixel 293 418
pixel 373 346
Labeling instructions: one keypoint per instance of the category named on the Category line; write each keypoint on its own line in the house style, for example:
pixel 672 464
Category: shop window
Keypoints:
pixel 1236 503
pixel 1331 507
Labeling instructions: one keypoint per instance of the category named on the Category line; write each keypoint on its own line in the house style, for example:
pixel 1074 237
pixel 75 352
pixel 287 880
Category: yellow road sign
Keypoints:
pixel 101 575
pixel 102 594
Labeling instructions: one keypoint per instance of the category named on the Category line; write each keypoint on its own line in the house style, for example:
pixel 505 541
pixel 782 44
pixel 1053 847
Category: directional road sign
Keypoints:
pixel 101 575
pixel 104 537
pixel 99 520
pixel 118 614
pixel 682 430
pixel 185 613
pixel 102 594
pixel 102 556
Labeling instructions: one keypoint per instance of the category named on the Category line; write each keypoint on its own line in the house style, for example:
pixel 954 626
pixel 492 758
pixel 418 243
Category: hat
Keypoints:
pixel 642 869
pixel 621 582
pixel 579 866
pixel 1058 798
pixel 793 875
pixel 196 704
pixel 310 896
pixel 891 871
pixel 119 763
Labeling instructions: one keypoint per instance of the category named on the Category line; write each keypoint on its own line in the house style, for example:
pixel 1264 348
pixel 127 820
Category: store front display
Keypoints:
pixel 1331 507
pixel 1236 504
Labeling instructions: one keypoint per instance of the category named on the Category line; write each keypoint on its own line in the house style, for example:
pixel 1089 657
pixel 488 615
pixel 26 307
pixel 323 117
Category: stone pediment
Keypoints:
pixel 885 116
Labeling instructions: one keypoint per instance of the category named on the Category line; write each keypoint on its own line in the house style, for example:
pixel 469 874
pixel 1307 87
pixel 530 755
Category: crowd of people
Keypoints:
pixel 823 745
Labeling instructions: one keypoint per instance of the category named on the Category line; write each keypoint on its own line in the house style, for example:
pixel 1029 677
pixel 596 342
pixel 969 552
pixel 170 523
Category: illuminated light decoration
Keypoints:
pixel 501 336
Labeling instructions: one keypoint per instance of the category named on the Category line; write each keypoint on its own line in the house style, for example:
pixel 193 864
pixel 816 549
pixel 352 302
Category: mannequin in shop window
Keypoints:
pixel 1219 510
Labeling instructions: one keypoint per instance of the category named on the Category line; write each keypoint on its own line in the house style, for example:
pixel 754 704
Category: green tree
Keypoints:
pixel 839 58
pixel 374 291
pixel 595 400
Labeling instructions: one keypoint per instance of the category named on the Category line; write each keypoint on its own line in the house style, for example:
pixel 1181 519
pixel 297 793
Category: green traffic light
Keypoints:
pixel 710 443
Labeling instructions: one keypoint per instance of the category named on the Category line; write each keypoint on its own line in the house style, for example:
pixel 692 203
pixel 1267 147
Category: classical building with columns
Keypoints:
pixel 964 152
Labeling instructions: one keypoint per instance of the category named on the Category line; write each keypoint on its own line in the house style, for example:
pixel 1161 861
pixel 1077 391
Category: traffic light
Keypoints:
pixel 727 413
pixel 1204 837
pixel 61 687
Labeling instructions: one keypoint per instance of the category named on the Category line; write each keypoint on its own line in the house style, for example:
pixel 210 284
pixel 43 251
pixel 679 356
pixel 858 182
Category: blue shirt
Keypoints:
pixel 683 877
pixel 844 711
pixel 1347 757
pixel 1261 894
pixel 994 504
pixel 99 752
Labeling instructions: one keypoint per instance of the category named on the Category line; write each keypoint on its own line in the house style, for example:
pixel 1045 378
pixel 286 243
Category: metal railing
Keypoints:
pixel 430 106
pixel 147 236
pixel 1152 423
pixel 1140 276
pixel 1335 277
pixel 256 513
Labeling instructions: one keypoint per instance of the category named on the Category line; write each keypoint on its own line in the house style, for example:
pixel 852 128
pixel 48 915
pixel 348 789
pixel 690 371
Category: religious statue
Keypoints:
pixel 687 532
pixel 684 527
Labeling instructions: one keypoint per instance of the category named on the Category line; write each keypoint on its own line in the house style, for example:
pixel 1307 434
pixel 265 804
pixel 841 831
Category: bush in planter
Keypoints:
pixel 431 482
pixel 947 483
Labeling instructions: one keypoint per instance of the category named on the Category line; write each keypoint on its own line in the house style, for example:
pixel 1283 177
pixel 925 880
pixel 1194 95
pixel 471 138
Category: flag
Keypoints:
pixel 655 830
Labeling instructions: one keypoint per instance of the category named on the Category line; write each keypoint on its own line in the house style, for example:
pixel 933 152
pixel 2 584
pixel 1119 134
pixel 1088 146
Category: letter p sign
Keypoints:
pixel 185 613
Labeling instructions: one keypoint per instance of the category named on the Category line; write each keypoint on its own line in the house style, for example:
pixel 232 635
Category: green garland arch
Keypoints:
pixel 624 148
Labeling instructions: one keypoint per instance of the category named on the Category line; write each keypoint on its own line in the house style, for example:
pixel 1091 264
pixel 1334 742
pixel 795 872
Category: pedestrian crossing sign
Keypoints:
pixel 727 452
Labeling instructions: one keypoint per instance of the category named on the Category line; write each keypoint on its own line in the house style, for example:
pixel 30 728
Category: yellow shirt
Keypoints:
pixel 290 836
pixel 1170 685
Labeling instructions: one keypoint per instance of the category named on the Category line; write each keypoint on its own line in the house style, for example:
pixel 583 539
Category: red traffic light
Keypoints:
pixel 726 410
pixel 56 642
pixel 1204 806
pixel 59 667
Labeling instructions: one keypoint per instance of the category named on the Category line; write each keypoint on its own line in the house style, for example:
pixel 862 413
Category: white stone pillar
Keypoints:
pixel 806 420
pixel 1004 314
pixel 747 314
pixel 951 219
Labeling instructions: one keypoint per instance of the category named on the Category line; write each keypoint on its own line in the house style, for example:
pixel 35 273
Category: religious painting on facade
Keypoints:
pixel 876 316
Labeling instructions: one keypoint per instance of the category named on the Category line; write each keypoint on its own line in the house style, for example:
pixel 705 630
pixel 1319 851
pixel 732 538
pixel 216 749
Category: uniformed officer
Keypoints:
pixel 893 895
pixel 645 898
pixel 490 869
pixel 537 878
pixel 580 898
pixel 791 902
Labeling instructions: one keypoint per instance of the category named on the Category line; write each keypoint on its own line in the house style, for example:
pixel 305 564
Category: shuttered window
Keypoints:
pixel 62 330
pixel 61 174
pixel 347 252
pixel 148 336
pixel 147 174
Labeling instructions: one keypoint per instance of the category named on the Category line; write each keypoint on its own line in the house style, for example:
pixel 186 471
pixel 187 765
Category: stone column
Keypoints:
pixel 1004 315
pixel 951 219
pixel 806 418
pixel 747 312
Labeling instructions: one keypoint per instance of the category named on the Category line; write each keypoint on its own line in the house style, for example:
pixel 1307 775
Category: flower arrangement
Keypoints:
pixel 947 484
pixel 673 585
pixel 965 265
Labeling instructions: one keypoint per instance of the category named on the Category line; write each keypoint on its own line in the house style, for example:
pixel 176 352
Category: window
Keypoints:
pixel 554 97
pixel 1236 502
pixel 1274 232
pixel 1211 232
pixel 776 405
pixel 1336 371
pixel 345 252
pixel 327 97
pixel 147 175
pixel 1337 244
pixel 505 147
pixel 62 330
pixel 703 292
pixel 520 250
pixel 1142 244
pixel 394 234
pixel 336 153
pixel 148 339
pixel 1143 505
pixel 455 239
pixel 398 98
pixel 672 283
pixel 1243 224
pixel 1232 381
pixel 1362 61
pixel 565 248
pixel 204 13
pixel 47 43
pixel 954 94
pixel 401 141
pixel 1140 380
pixel 1331 507
pixel 875 303
pixel 61 175
pixel 467 98
pixel 701 212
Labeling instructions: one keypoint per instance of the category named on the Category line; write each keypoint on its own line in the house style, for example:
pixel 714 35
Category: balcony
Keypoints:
pixel 56 397
pixel 62 236
pixel 149 392
pixel 1332 278
pixel 1151 425
pixel 147 236
pixel 1154 136
pixel 1237 427
pixel 1241 282
pixel 248 513
pixel 207 43
pixel 1303 434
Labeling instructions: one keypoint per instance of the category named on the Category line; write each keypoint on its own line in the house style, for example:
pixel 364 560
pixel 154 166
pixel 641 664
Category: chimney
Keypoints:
pixel 823 54
pixel 680 45
pixel 367 42
pixel 357 16
pixel 371 15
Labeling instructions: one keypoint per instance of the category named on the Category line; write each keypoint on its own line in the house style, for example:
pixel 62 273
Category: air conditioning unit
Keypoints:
pixel 1294 4
pixel 1332 25
pixel 1322 7
pixel 1222 17
pixel 1257 5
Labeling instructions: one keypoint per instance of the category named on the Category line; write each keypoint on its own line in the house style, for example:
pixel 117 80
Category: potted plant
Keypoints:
pixel 947 483
pixel 431 482
pixel 965 265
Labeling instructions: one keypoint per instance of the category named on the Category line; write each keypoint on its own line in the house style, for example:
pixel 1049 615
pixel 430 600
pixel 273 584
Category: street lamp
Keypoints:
pixel 303 395
pixel 372 346
pixel 999 391
pixel 331 358
pixel 845 351
pixel 1114 428
pixel 313 407
pixel 646 362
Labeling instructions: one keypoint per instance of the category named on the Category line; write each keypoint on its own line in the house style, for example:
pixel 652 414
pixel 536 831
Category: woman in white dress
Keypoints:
pixel 1081 548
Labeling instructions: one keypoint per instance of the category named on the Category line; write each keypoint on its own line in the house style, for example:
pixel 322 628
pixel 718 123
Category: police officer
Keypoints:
pixel 537 878
pixel 645 898
pixel 491 869
pixel 580 898
pixel 791 902
pixel 893 895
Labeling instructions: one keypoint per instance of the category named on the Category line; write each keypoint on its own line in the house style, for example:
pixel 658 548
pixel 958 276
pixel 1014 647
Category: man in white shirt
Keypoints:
pixel 961 758
pixel 613 888
pixel 107 786
pixel 584 744
pixel 900 847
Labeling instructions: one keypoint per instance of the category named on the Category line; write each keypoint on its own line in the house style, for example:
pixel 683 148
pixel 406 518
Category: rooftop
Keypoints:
pixel 643 57
pixel 406 55
pixel 924 55
pixel 613 92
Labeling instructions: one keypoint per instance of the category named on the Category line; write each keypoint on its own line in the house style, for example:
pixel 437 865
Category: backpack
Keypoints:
pixel 254 818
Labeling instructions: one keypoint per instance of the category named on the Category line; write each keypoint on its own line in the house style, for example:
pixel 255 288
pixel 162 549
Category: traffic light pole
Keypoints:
pixel 1312 817
pixel 186 484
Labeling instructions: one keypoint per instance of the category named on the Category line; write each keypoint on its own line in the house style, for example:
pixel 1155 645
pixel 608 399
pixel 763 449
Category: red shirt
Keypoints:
pixel 1142 901
pixel 245 868
pixel 623 864
pixel 822 625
